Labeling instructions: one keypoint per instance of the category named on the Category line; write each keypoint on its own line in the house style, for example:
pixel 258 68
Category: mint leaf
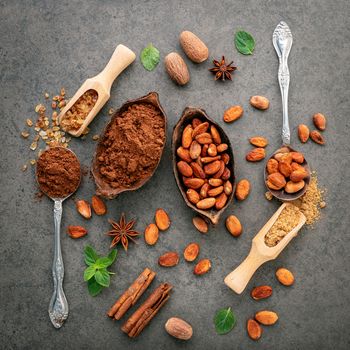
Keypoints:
pixel 101 263
pixel 244 42
pixel 224 321
pixel 150 57
pixel 102 277
pixel 90 256
pixel 89 273
pixel 93 287
pixel 112 255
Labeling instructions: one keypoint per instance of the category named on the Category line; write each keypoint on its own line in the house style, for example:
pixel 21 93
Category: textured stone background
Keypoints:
pixel 49 44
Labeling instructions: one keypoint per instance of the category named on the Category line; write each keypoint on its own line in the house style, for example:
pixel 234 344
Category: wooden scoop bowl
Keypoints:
pixel 101 83
pixel 259 253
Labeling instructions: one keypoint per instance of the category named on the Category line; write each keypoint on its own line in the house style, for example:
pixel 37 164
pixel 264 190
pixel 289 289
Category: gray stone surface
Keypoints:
pixel 49 44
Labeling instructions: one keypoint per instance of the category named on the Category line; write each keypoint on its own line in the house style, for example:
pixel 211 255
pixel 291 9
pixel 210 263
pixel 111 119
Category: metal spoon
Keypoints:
pixel 58 307
pixel 282 41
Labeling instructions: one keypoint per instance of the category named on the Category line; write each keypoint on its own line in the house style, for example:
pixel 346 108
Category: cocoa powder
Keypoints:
pixel 131 146
pixel 58 172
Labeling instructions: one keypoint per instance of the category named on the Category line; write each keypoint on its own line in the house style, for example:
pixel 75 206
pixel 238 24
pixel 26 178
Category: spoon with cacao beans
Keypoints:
pixel 58 175
pixel 287 173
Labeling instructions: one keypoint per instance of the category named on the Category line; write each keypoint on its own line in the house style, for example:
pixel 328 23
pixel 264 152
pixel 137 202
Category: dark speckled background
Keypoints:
pixel 48 44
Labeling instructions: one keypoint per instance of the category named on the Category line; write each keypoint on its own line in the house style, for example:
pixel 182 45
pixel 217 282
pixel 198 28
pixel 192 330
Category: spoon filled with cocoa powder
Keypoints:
pixel 58 174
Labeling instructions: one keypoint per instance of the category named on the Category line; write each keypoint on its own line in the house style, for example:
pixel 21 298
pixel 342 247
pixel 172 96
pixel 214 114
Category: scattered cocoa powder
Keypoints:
pixel 58 172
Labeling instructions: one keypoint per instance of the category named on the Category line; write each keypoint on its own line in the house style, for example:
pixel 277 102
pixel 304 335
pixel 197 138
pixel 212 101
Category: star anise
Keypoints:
pixel 222 70
pixel 122 232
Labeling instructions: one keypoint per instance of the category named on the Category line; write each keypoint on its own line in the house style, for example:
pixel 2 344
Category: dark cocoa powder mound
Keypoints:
pixel 58 172
pixel 132 146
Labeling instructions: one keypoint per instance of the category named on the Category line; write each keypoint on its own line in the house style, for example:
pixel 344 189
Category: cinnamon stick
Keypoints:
pixel 144 314
pixel 132 294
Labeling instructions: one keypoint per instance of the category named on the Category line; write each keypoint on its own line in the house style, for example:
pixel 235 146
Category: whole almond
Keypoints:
pixel 197 170
pixel 184 168
pixel 186 139
pixel 215 191
pixel 192 196
pixel 202 267
pixel 215 135
pixel 272 166
pixel 285 169
pixel 256 155
pixel 206 203
pixel 222 147
pixel 193 47
pixel 162 219
pixel 259 141
pixel 83 208
pixel 98 205
pixel 76 231
pixel 212 167
pixel 212 151
pixel 303 133
pixel 276 181
pixel 267 318
pixel 179 328
pixel 297 157
pixel 177 68
pixel 228 188
pixel 285 277
pixel 220 201
pixel 204 190
pixel 233 113
pixel 196 122
pixel 293 187
pixel 259 102
pixel 200 224
pixel 319 121
pixel 261 292
pixel 195 149
pixel 298 175
pixel 191 252
pixel 200 129
pixel 151 234
pixel 317 137
pixel 184 154
pixel 254 329
pixel 242 189
pixel 169 259
pixel 204 138
pixel 226 174
pixel 193 182
pixel 233 225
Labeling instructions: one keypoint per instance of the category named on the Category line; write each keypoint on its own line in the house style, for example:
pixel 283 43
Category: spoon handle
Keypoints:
pixel 282 41
pixel 58 308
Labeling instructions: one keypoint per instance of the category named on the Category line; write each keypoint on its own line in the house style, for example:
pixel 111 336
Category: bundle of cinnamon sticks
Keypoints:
pixel 144 314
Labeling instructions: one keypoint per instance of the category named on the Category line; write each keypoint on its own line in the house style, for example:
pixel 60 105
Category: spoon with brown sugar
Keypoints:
pixel 58 175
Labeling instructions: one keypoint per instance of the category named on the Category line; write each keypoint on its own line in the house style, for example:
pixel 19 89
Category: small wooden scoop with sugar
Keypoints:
pixel 260 252
pixel 94 93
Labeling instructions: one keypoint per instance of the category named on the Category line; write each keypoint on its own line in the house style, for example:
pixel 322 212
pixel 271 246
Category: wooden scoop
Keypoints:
pixel 101 83
pixel 259 253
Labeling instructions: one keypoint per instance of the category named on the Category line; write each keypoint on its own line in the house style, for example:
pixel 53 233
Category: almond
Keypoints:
pixel 298 175
pixel 162 219
pixel 255 155
pixel 177 68
pixel 303 133
pixel 220 201
pixel 222 147
pixel 215 191
pixel 195 150
pixel 204 190
pixel 197 170
pixel 242 189
pixel 200 129
pixel 233 225
pixel 276 181
pixel 319 121
pixel 272 166
pixel 98 205
pixel 261 292
pixel 220 171
pixel 83 208
pixel 193 47
pixel 233 113
pixel 191 252
pixel 179 328
pixel 258 141
pixel 206 160
pixel 151 234
pixel 215 182
pixel 215 135
pixel 267 318
pixel 204 138
pixel 212 151
pixel 169 259
pixel 317 137
pixel 285 169
pixel 226 174
pixel 206 203
pixel 184 168
pixel 228 188
pixel 186 139
pixel 259 102
pixel 202 267
pixel 192 196
pixel 200 224
pixel 76 231
pixel 284 276
pixel 212 168
pixel 184 154
pixel 254 329
pixel 297 157
pixel 293 187
pixel 196 122
pixel 193 182
pixel 225 158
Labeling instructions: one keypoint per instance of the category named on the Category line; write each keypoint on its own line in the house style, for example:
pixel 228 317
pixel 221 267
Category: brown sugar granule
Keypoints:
pixel 287 220
pixel 131 146
pixel 58 172
pixel 76 115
